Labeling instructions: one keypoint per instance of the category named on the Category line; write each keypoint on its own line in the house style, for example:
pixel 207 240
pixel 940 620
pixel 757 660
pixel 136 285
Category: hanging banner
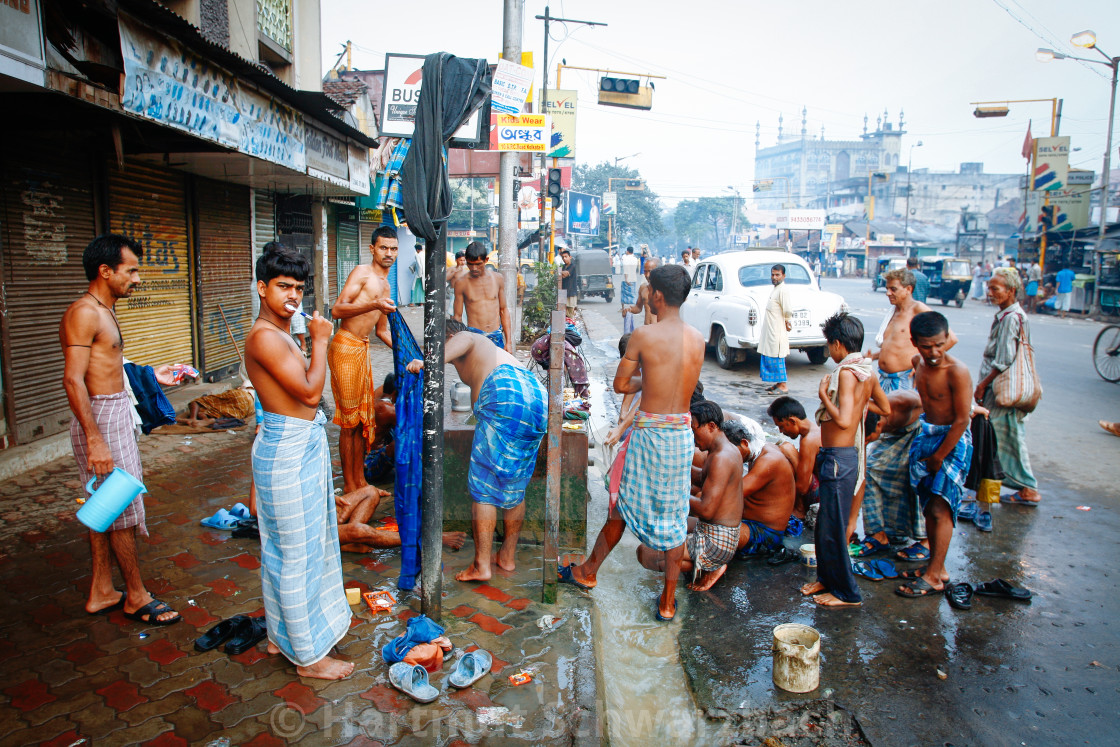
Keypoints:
pixel 562 108
pixel 523 132
pixel 583 214
pixel 1051 163
pixel 610 203
pixel 510 87
pixel 167 83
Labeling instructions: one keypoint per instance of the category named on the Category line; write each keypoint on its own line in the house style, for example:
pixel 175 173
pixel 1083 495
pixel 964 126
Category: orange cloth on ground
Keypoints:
pixel 427 655
pixel 352 383
pixel 236 403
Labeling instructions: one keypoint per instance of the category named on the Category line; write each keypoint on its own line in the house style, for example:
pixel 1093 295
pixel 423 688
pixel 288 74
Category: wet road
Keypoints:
pixel 1037 674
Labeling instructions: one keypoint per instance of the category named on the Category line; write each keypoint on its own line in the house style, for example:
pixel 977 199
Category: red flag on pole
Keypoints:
pixel 1028 143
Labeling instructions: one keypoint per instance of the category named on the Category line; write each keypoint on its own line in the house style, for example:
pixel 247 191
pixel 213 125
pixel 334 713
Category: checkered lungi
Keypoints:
pixel 656 479
pixel 889 505
pixel 772 370
pixel 893 382
pixel 495 337
pixel 512 413
pixel 352 383
pixel 113 414
pixel 949 480
pixel 712 546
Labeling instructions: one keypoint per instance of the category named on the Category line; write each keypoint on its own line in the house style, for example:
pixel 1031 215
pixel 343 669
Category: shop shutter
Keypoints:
pixel 264 231
pixel 293 229
pixel 46 220
pixel 225 258
pixel 332 256
pixel 348 246
pixel 148 204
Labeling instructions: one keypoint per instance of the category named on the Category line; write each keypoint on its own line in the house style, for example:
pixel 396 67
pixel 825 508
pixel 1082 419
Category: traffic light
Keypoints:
pixel 619 85
pixel 635 184
pixel 625 92
pixel 555 190
pixel 1046 217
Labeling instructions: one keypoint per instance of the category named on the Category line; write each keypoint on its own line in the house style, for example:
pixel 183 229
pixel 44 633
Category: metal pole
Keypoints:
pixel 1096 307
pixel 431 496
pixel 545 199
pixel 507 163
pixel 552 484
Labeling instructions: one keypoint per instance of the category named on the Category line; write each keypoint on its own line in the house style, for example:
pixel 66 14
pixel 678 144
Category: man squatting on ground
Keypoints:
pixel 511 407
pixel 768 488
pixel 362 306
pixel 663 362
pixel 941 452
pixel 482 293
pixel 103 431
pixel 789 416
pixel 301 568
pixel 845 394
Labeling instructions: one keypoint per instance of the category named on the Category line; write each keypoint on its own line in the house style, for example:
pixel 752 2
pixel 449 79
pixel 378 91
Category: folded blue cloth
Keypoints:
pixel 419 630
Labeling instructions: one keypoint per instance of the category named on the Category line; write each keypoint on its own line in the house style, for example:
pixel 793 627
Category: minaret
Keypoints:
pixel 804 114
pixel 865 123
pixel 822 131
pixel 779 129
pixel 878 124
pixel 901 121
pixel 757 133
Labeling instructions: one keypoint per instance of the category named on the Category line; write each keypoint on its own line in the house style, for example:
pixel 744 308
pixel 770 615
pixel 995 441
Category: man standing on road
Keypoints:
pixel 1034 280
pixel 569 281
pixel 921 281
pixel 482 293
pixel 686 262
pixel 895 357
pixel 1064 295
pixel 773 343
pixel 628 312
pixel 456 271
pixel 662 362
pixel 103 432
pixel 362 306
pixel 629 277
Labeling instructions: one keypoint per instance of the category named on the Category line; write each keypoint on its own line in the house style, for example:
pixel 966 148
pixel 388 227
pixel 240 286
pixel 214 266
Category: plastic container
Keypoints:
pixel 797 658
pixel 106 503
pixel 809 556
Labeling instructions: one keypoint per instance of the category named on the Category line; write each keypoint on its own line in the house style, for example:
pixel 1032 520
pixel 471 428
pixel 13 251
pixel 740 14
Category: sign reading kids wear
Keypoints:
pixel 523 132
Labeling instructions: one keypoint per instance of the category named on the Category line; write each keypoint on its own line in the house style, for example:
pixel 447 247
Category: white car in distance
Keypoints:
pixel 728 300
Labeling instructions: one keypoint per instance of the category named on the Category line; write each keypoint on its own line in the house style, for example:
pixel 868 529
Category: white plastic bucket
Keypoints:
pixel 809 556
pixel 105 504
pixel 797 652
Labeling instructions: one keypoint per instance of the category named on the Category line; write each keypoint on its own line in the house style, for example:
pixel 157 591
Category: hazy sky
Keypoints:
pixel 731 63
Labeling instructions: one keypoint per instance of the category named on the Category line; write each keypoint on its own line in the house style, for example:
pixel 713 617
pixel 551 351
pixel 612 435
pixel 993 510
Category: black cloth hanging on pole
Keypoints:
pixel 453 88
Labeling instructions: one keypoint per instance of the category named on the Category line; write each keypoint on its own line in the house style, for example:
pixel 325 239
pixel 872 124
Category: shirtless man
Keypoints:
pixel 663 362
pixel 713 526
pixel 354 511
pixel 789 415
pixel 895 349
pixel 454 273
pixel 102 431
pixel 845 394
pixel 511 407
pixel 292 474
pixel 941 453
pixel 362 306
pixel 768 489
pixel 482 293
pixel 643 295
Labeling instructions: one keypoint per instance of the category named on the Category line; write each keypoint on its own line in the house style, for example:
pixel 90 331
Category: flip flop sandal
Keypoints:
pixel 222 519
pixel 781 556
pixel 916 552
pixel 471 667
pixel 241 511
pixel 861 568
pixel 967 512
pixel 152 610
pixel 917 588
pixel 564 572
pixel 959 595
pixel 112 607
pixel 250 632
pixel 1015 499
pixel 883 567
pixel 1000 588
pixel 871 546
pixel 412 680
pixel 657 611
pixel 983 521
pixel 218 634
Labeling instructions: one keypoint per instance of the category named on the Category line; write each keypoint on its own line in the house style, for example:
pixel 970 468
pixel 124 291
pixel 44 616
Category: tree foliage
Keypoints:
pixel 469 196
pixel 639 211
pixel 706 221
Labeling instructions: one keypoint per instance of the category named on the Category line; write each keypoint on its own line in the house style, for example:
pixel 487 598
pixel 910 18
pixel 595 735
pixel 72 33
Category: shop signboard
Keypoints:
pixel 562 109
pixel 404 74
pixel 1051 163
pixel 510 87
pixel 327 157
pixel 802 220
pixel 526 133
pixel 21 39
pixel 583 214
pixel 610 203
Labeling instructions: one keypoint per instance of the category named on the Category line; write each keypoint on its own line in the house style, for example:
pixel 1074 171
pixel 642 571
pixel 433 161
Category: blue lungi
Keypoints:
pixel 629 292
pixel 656 479
pixel 495 337
pixel 772 370
pixel 949 480
pixel 512 413
pixel 897 381
pixel 301 567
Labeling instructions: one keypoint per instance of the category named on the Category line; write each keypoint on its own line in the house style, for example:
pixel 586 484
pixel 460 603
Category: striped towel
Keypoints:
pixel 653 496
pixel 949 480
pixel 512 412
pixel 113 413
pixel 301 567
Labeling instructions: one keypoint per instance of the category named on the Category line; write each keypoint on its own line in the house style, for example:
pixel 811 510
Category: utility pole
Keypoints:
pixel 507 163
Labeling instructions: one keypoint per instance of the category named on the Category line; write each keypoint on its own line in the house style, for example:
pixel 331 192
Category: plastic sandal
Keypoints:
pixel 959 595
pixel 862 568
pixel 241 511
pixel 412 680
pixel 870 546
pixel 883 567
pixel 1000 588
pixel 916 552
pixel 471 667
pixel 222 520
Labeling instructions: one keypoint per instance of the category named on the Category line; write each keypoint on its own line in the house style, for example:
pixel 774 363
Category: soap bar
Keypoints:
pixel 353 596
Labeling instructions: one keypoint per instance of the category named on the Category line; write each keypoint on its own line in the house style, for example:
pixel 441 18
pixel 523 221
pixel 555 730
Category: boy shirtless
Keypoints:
pixel 942 449
pixel 767 489
pixel 713 533
pixel 844 394
pixel 355 534
pixel 482 293
pixel 301 570
pixel 788 414
pixel 663 362
pixel 362 306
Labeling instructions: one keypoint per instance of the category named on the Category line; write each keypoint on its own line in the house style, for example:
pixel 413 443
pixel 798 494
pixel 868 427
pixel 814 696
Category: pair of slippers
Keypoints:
pixel 875 570
pixel 240 633
pixel 960 595
pixel 412 679
pixel 228 520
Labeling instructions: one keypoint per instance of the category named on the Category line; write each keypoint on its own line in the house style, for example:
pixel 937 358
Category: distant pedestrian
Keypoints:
pixel 1064 296
pixel 921 281
pixel 569 282
pixel 773 343
pixel 1034 280
pixel 976 290
pixel 630 267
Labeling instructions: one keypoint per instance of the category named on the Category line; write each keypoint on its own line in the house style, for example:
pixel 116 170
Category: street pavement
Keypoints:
pixel 73 679
pixel 1042 673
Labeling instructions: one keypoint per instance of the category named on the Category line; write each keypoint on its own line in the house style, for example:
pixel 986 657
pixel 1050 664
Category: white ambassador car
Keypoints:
pixel 728 300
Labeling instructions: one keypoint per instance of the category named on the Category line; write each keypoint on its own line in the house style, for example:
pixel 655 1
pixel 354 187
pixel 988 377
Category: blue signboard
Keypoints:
pixel 583 214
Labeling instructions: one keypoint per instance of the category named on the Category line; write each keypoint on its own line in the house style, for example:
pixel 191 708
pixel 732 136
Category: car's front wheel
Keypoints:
pixel 725 356
pixel 817 355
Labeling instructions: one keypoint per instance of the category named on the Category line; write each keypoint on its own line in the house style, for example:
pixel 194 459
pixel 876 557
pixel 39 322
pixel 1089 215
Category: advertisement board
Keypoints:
pixel 527 133
pixel 510 87
pixel 802 220
pixel 562 109
pixel 583 214
pixel 1071 209
pixel 20 34
pixel 610 203
pixel 404 74
pixel 1051 163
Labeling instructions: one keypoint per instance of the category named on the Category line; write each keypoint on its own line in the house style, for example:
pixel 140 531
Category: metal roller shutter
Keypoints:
pixel 47 217
pixel 347 251
pixel 264 231
pixel 225 270
pixel 149 205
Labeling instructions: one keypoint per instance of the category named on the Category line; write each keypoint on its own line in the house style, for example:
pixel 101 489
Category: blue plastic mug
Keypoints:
pixel 105 504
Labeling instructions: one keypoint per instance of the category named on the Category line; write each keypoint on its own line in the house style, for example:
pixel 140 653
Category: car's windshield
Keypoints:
pixel 751 275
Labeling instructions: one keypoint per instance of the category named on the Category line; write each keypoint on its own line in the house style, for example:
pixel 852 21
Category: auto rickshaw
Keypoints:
pixel 883 265
pixel 595 275
pixel 949 279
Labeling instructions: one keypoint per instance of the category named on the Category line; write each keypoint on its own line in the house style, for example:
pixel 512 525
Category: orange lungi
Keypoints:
pixel 352 383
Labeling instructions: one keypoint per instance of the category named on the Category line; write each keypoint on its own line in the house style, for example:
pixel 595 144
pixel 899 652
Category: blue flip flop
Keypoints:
pixel 1017 500
pixel 864 569
pixel 222 520
pixel 471 667
pixel 883 567
pixel 412 680
pixel 983 521
pixel 564 573
pixel 870 546
pixel 241 511
pixel 657 611
pixel 915 552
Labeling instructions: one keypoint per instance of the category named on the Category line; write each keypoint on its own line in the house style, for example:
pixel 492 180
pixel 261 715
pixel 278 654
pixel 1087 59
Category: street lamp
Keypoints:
pixel 623 158
pixel 909 168
pixel 1088 40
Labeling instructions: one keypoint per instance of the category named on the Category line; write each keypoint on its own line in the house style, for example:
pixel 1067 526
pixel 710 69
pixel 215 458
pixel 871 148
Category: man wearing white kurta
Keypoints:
pixel 773 343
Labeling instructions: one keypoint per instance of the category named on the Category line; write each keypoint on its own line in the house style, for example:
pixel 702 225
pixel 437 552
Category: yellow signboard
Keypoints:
pixel 523 132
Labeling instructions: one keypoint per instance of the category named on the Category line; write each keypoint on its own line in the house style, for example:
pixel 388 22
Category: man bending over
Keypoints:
pixel 767 487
